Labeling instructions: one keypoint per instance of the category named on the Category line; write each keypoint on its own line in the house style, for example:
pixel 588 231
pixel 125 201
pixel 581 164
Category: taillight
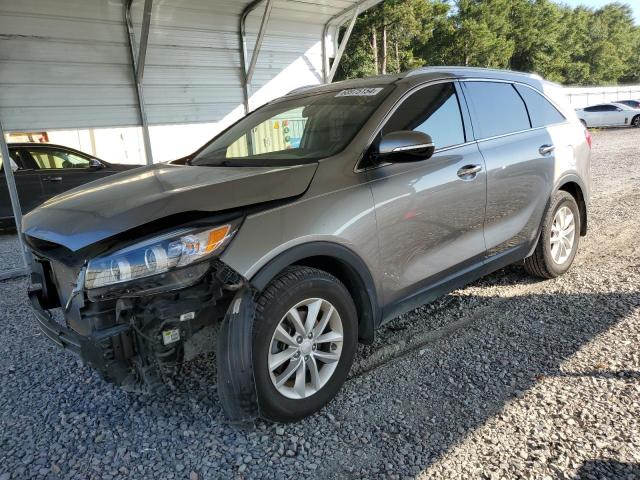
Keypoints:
pixel 587 135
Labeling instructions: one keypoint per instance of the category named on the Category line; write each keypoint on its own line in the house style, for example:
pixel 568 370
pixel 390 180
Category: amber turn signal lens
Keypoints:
pixel 216 237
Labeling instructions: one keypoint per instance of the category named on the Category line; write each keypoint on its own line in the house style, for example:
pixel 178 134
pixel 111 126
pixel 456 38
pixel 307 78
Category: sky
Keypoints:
pixel 635 5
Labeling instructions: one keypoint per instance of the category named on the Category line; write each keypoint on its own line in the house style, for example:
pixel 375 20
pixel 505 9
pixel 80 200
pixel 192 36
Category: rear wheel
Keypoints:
pixel 635 122
pixel 305 338
pixel 559 238
pixel 584 124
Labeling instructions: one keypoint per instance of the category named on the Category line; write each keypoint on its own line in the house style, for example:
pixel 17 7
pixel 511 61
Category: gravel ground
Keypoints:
pixel 508 378
pixel 10 257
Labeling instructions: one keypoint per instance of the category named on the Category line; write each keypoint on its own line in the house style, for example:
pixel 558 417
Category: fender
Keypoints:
pixel 582 205
pixel 359 280
pixel 572 177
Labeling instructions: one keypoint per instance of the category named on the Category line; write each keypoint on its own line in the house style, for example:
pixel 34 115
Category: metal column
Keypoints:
pixel 329 72
pixel 17 211
pixel 137 64
pixel 247 70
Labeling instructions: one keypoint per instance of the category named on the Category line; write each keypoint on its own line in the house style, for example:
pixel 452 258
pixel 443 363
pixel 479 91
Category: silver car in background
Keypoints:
pixel 308 224
pixel 609 115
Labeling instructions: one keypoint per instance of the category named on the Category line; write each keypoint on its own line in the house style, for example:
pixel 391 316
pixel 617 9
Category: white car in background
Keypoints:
pixel 609 115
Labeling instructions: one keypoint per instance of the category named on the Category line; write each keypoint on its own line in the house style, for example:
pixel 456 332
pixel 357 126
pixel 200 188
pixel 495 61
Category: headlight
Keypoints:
pixel 158 256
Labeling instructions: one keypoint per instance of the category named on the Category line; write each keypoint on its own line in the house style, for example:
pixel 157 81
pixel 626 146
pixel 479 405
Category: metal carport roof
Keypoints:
pixel 108 63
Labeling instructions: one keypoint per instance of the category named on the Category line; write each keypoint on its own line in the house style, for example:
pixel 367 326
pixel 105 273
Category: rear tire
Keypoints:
pixel 316 367
pixel 559 238
pixel 635 121
pixel 584 124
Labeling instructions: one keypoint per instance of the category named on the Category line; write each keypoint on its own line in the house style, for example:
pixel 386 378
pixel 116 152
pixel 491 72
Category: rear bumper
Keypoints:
pixel 104 350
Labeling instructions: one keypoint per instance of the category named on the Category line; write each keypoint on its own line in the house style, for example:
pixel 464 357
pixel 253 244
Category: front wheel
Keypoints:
pixel 559 238
pixel 305 337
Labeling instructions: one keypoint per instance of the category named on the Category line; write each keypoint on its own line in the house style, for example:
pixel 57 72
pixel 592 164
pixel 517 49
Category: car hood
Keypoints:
pixel 104 208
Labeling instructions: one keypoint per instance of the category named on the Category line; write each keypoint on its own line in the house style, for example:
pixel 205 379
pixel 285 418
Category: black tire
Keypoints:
pixel 290 287
pixel 541 263
pixel 584 123
pixel 635 121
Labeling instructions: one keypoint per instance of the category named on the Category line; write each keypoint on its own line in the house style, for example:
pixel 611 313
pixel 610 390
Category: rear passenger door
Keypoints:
pixel 520 166
pixel 27 184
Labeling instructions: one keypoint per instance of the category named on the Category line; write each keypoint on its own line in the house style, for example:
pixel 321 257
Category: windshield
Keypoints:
pixel 294 131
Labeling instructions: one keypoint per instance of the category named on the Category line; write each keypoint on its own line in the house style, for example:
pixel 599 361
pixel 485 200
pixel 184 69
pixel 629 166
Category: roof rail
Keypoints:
pixel 301 89
pixel 427 69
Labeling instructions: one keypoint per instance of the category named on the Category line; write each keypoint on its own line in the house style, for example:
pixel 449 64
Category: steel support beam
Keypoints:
pixel 248 69
pixel 137 65
pixel 329 71
pixel 144 38
pixel 15 206
pixel 343 45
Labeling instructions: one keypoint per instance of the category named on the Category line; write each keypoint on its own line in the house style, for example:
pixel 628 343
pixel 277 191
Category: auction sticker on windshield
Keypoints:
pixel 359 92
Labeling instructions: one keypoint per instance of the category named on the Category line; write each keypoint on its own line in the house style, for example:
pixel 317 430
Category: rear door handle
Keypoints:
pixel 52 179
pixel 546 149
pixel 468 172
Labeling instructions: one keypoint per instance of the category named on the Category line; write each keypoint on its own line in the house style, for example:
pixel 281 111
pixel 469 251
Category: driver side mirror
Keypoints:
pixel 95 164
pixel 404 146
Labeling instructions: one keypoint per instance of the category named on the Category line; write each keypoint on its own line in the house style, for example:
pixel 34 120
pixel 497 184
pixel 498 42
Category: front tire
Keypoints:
pixel 559 238
pixel 305 337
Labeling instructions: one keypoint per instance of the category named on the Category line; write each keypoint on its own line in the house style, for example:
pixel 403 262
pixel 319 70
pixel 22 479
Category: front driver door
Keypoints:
pixel 430 214
pixel 61 170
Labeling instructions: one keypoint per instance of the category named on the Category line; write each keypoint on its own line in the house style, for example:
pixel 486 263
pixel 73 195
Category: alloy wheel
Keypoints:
pixel 305 348
pixel 563 233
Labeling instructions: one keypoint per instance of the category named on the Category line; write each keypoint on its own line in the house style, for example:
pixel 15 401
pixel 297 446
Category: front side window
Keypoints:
pixel 296 130
pixel 497 107
pixel 541 111
pixel 50 158
pixel 434 110
pixel 597 108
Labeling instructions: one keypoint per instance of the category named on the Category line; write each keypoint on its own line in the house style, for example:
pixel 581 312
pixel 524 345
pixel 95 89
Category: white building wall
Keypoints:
pixel 584 96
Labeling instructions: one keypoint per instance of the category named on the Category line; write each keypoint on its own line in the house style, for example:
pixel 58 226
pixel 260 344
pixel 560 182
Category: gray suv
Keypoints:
pixel 305 226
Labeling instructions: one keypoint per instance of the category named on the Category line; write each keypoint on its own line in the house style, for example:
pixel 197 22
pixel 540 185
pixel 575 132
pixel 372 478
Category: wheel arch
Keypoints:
pixel 572 186
pixel 340 262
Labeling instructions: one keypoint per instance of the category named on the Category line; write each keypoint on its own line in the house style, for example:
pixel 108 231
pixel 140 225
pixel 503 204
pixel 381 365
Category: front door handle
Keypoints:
pixel 546 149
pixel 52 179
pixel 468 172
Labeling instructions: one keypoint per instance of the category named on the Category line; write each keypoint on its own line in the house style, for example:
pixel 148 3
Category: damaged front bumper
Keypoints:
pixel 105 350
pixel 140 343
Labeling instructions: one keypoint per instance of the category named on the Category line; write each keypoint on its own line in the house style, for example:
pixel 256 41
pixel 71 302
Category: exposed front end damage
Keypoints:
pixel 141 342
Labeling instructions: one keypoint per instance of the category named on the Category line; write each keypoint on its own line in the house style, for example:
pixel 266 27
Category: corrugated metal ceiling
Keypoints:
pixel 65 63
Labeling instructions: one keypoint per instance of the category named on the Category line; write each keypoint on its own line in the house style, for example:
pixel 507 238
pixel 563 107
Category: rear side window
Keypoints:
pixel 497 107
pixel 433 110
pixel 541 111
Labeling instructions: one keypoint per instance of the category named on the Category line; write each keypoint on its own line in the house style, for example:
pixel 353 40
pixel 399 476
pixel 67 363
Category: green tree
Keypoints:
pixel 568 45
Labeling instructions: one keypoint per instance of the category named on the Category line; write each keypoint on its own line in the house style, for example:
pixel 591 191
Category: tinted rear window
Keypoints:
pixel 497 107
pixel 541 111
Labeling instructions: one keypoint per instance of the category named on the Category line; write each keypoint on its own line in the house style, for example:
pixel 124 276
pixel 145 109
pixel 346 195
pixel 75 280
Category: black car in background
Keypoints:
pixel 43 170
